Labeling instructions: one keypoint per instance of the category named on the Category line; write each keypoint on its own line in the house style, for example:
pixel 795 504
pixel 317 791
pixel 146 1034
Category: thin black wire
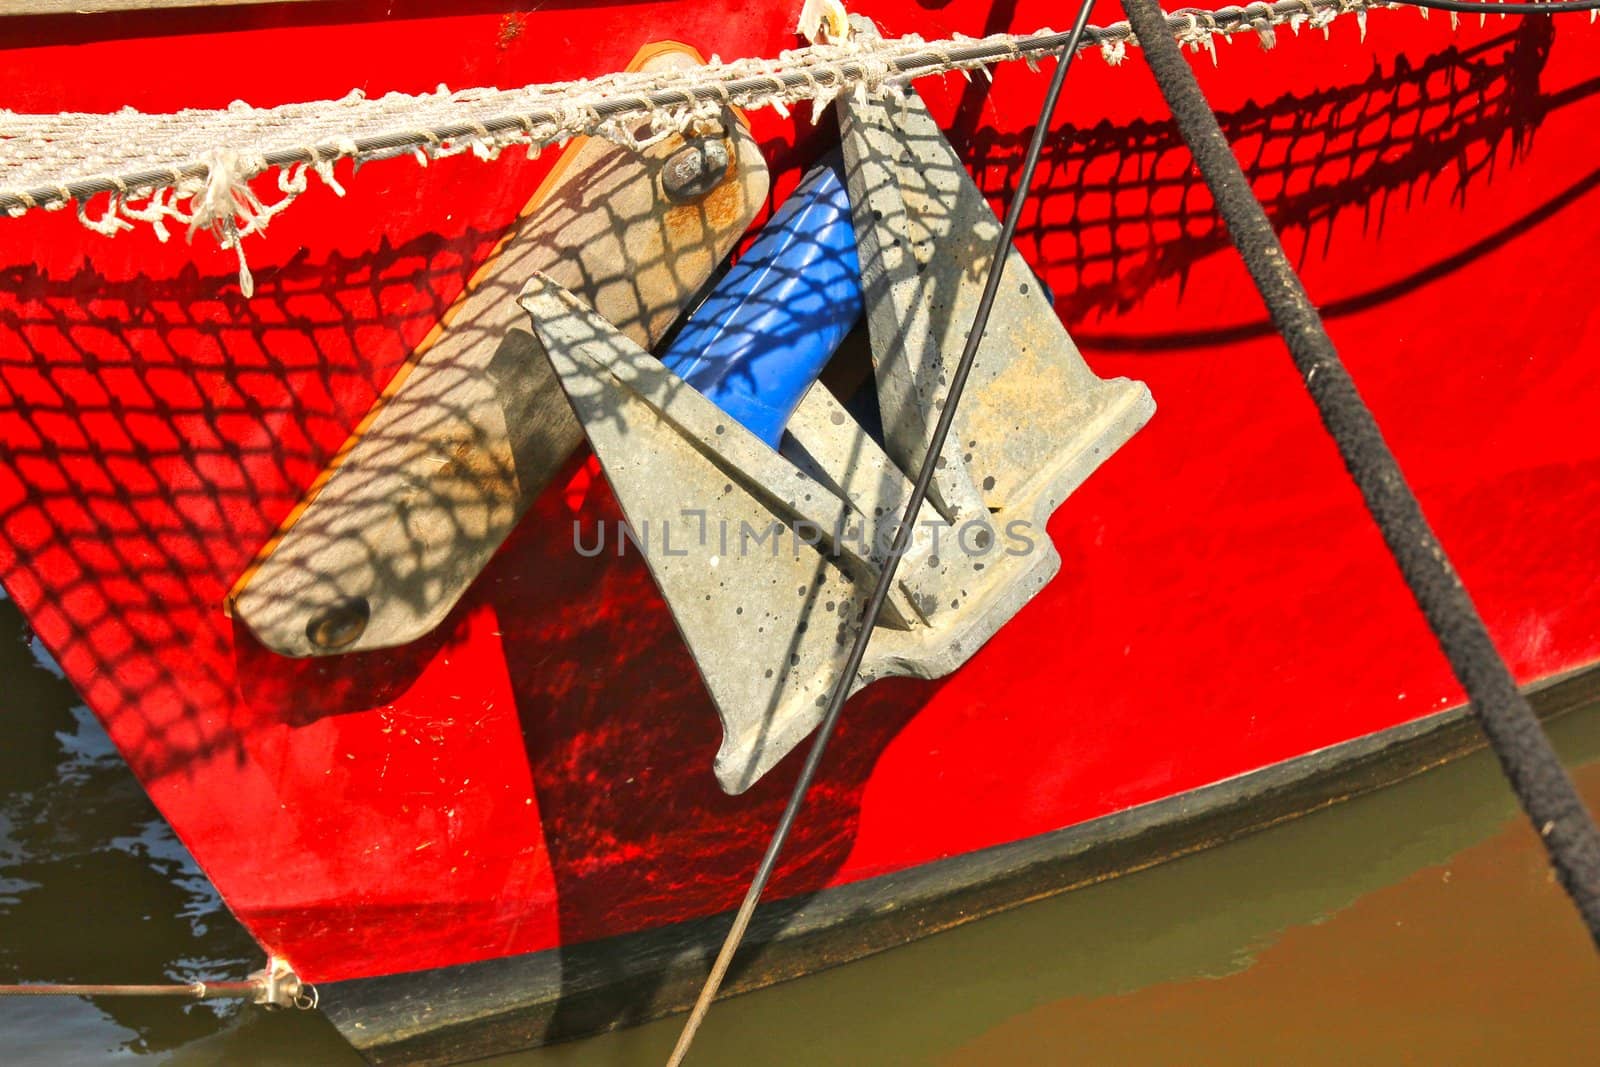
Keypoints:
pixel 880 591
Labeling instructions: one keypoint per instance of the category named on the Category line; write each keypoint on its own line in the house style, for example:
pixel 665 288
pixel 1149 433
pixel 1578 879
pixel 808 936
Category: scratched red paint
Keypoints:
pixel 538 772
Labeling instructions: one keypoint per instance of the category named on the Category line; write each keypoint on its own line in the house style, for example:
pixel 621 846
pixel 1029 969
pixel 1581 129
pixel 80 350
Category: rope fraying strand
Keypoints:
pixel 195 168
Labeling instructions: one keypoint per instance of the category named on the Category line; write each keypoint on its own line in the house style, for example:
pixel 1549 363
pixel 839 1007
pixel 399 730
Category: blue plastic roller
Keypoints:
pixel 769 327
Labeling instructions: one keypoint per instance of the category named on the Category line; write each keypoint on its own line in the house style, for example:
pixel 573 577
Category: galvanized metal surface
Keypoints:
pixel 774 552
pixel 768 618
pixel 1034 421
pixel 452 456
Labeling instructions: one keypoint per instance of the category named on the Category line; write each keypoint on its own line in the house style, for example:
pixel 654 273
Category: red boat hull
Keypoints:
pixel 537 774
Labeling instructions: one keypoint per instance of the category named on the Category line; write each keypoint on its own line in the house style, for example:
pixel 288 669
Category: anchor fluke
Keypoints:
pixel 724 524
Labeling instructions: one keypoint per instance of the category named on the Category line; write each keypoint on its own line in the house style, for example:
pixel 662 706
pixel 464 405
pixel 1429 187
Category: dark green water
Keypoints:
pixel 1419 925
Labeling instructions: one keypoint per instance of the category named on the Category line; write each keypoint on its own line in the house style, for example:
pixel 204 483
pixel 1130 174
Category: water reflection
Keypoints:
pixel 94 886
pixel 1416 925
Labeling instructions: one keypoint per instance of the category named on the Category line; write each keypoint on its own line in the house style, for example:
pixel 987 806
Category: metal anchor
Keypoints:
pixel 776 548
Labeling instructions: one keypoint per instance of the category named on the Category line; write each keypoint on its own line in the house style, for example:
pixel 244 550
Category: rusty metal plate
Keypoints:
pixel 471 431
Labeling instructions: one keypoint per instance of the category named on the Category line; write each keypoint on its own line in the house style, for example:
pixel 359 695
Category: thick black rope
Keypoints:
pixel 1530 764
pixel 903 532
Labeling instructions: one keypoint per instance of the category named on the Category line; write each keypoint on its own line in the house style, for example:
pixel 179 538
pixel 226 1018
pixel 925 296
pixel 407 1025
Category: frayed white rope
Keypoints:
pixel 194 168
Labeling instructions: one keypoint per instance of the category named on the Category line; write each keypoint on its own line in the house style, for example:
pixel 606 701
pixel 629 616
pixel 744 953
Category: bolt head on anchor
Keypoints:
pixel 339 624
pixel 693 171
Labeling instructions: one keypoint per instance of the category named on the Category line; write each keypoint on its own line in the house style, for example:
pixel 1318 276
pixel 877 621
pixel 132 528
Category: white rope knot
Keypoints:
pixel 224 194
pixel 1200 31
pixel 224 203
pixel 874 72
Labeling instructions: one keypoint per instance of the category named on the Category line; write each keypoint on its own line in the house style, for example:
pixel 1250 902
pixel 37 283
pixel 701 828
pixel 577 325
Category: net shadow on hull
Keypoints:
pixel 159 428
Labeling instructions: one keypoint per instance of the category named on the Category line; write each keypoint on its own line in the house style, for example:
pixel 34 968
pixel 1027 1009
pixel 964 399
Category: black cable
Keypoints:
pixel 1530 764
pixel 880 591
